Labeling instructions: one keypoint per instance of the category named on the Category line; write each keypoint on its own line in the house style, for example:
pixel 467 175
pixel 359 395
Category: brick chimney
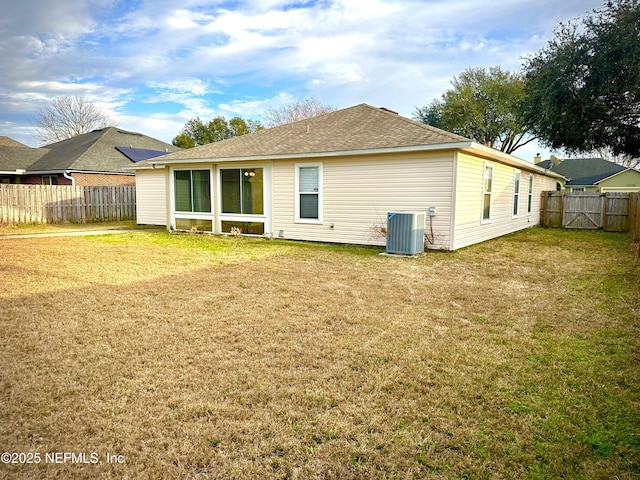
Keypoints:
pixel 537 159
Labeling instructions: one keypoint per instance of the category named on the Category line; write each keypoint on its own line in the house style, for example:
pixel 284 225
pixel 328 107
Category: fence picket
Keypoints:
pixel 65 203
pixel 611 211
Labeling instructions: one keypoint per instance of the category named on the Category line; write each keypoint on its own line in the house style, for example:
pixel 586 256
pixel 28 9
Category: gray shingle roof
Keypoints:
pixel 583 171
pixel 95 151
pixel 361 127
pixel 13 158
pixel 10 142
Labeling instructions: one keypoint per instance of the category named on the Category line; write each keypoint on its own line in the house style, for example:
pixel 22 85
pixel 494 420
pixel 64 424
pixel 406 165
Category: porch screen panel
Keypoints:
pixel 183 190
pixel 201 191
pixel 252 202
pixel 231 200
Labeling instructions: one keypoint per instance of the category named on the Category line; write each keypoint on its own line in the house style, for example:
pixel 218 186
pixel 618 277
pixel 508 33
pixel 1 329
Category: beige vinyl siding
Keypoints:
pixel 359 191
pixel 151 197
pixel 469 227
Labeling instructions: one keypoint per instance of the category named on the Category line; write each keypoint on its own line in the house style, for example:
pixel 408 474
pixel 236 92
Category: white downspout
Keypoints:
pixel 66 175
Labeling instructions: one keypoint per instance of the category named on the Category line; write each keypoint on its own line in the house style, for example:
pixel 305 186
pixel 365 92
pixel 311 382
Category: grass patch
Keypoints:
pixel 195 356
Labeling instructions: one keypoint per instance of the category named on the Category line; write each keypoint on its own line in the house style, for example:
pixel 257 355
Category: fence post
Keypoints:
pixel 603 215
pixel 634 216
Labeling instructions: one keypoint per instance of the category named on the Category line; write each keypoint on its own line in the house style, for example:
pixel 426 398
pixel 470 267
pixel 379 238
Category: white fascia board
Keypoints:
pixel 510 160
pixel 289 156
pixel 470 147
pixel 611 176
pixel 151 166
pixel 52 172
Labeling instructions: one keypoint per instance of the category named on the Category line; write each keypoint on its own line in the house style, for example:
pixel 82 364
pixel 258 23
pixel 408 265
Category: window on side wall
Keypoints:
pixel 486 196
pixel 530 195
pixel 309 193
pixel 516 193
pixel 193 190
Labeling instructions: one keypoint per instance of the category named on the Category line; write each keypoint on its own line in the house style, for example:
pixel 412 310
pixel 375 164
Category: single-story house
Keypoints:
pixel 334 178
pixel 594 175
pixel 94 158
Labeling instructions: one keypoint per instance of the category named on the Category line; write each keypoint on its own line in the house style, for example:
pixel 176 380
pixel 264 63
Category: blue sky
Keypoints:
pixel 154 64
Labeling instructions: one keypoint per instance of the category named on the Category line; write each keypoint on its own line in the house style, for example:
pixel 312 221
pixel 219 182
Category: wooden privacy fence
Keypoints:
pixel 66 203
pixel 609 211
pixel 634 217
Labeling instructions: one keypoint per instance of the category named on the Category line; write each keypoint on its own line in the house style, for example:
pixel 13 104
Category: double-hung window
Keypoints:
pixel 309 193
pixel 516 193
pixel 530 195
pixel 486 194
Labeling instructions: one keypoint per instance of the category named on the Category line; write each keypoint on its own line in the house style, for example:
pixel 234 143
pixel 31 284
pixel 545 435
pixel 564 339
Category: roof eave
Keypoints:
pixel 612 175
pixel 289 156
pixel 510 160
pixel 59 170
pixel 467 146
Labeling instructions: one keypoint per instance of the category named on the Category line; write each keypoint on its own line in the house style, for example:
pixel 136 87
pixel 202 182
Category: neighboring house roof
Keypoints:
pixel 96 151
pixel 10 142
pixel 140 154
pixel 361 127
pixel 16 158
pixel 583 171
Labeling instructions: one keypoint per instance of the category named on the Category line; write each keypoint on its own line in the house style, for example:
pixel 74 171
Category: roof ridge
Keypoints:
pixel 410 121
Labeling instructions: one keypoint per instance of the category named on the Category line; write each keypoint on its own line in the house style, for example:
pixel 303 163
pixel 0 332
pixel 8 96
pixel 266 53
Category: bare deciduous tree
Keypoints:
pixel 297 110
pixel 66 117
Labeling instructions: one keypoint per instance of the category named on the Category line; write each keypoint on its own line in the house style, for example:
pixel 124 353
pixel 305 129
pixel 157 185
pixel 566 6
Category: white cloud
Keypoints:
pixel 214 57
pixel 189 85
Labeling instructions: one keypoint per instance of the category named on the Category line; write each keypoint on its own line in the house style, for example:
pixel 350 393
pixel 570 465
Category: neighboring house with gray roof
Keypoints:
pixel 10 142
pixel 94 158
pixel 334 177
pixel 594 175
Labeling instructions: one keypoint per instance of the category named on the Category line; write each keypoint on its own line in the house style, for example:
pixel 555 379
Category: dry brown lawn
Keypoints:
pixel 191 356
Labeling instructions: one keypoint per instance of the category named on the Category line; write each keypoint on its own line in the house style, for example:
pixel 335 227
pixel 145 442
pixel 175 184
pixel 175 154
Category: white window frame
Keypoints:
pixel 515 206
pixel 264 217
pixel 487 166
pixel 530 195
pixel 316 221
pixel 175 214
pixel 173 191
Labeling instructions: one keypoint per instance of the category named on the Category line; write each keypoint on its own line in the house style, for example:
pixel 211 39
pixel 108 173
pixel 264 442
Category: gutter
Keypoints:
pixel 66 175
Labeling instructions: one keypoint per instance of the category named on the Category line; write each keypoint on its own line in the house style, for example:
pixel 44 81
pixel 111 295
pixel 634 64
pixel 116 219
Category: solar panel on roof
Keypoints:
pixel 140 154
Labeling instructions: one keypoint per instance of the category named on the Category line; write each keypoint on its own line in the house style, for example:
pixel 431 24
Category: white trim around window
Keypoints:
pixel 199 213
pixel 258 223
pixel 487 187
pixel 308 191
pixel 516 194
pixel 530 195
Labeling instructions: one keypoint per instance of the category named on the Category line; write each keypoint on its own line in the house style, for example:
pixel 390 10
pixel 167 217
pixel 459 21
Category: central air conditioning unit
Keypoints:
pixel 405 233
